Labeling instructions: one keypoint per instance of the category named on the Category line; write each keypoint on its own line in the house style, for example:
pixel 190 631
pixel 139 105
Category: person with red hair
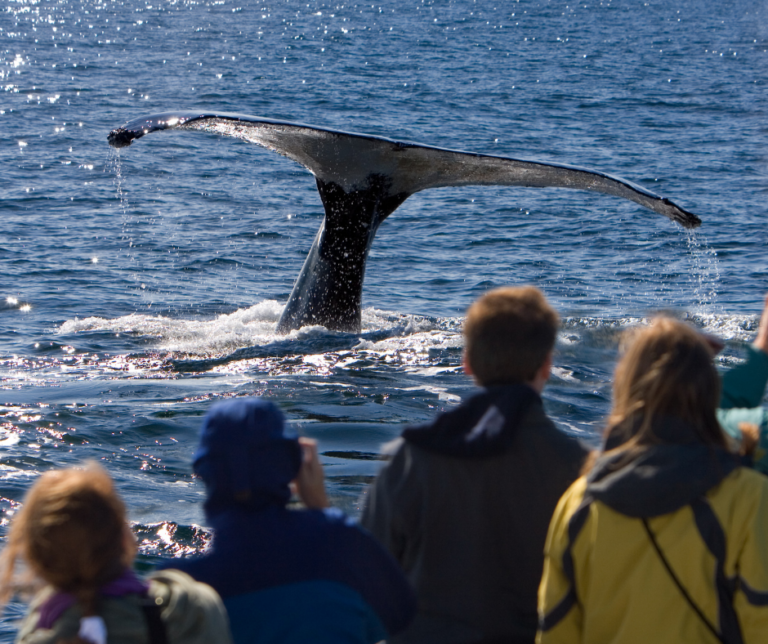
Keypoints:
pixel 73 536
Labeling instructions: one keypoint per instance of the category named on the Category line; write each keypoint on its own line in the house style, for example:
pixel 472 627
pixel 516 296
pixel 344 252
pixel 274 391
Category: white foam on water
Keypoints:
pixel 8 472
pixel 564 374
pixel 226 333
pixel 441 393
pixel 727 327
pixel 255 326
pixel 410 341
pixel 584 432
pixel 417 343
pixel 573 323
pixel 8 438
pixel 335 385
pixel 375 319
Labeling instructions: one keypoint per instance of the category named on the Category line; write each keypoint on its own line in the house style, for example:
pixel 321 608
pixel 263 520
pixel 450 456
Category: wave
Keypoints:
pixel 384 332
pixel 246 328
pixel 170 539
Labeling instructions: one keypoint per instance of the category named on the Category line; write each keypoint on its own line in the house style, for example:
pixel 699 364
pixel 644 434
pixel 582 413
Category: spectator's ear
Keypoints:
pixel 546 367
pixel 465 364
pixel 542 375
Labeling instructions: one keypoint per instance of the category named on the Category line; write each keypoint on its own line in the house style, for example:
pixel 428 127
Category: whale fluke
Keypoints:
pixel 362 180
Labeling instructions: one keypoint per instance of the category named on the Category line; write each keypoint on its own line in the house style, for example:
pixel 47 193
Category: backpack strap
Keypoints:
pixel 712 628
pixel 155 625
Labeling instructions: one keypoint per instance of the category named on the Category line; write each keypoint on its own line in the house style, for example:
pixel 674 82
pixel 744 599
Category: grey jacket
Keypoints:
pixel 192 613
pixel 464 506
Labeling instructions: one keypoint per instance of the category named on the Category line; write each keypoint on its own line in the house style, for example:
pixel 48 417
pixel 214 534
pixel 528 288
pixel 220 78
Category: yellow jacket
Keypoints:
pixel 603 580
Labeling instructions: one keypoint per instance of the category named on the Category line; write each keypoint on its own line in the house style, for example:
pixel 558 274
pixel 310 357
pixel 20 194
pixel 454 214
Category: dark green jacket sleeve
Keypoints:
pixel 740 402
pixel 744 384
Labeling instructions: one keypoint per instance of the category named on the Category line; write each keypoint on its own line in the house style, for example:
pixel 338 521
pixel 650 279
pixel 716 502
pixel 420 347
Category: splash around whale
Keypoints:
pixel 362 180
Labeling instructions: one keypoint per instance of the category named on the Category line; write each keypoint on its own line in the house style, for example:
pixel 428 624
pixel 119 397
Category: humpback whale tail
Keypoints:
pixel 362 180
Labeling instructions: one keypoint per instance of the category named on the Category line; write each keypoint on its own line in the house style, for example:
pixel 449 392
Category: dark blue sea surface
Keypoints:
pixel 138 287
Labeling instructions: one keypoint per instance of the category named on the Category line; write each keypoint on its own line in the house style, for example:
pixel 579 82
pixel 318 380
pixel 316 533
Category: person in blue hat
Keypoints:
pixel 287 576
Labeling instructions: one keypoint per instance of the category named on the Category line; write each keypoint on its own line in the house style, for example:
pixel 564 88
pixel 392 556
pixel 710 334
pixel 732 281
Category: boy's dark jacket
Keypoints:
pixel 464 505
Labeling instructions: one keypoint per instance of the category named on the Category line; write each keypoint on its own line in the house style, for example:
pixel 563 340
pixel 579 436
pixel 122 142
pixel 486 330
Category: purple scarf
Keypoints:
pixel 126 584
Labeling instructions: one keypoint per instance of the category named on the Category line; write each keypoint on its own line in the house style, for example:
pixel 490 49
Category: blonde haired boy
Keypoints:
pixel 465 501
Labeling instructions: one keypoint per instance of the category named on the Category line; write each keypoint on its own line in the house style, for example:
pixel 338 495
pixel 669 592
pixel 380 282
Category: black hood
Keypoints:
pixel 661 478
pixel 484 425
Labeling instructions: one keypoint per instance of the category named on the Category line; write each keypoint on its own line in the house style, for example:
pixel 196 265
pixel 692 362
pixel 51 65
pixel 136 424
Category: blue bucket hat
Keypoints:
pixel 245 456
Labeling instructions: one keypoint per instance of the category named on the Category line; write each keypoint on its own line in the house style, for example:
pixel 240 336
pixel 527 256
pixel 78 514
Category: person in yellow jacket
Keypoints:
pixel 665 540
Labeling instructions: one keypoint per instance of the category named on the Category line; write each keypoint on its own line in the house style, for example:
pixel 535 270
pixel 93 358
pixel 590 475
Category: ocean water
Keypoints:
pixel 138 287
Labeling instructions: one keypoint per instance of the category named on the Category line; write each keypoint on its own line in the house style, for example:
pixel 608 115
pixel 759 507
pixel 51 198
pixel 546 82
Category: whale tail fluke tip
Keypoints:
pixel 676 213
pixel 120 138
pixel 694 223
pixel 687 219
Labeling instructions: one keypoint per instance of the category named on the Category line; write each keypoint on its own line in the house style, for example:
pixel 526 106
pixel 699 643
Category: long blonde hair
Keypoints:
pixel 666 370
pixel 73 534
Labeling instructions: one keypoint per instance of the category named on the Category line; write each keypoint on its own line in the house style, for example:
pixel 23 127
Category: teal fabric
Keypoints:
pixel 743 391
pixel 744 384
pixel 316 612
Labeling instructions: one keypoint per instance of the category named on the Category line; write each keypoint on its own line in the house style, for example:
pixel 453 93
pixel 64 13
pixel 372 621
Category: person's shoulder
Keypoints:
pixel 333 517
pixel 576 491
pixel 338 537
pixel 539 424
pixel 742 493
pixel 191 610
pixel 170 577
pixel 52 624
pixel 40 598
pixel 29 630
pixel 169 586
pixel 331 520
pixel 746 480
pixel 403 460
pixel 343 527
pixel 574 498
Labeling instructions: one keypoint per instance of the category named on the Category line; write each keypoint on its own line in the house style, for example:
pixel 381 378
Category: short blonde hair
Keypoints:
pixel 508 334
pixel 72 532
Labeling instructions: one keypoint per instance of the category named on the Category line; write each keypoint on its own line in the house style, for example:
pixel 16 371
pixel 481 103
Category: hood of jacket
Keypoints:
pixel 661 478
pixel 245 456
pixel 485 425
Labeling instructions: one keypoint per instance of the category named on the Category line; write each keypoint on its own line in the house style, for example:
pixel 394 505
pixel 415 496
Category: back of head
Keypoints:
pixel 666 371
pixel 72 532
pixel 508 334
pixel 245 457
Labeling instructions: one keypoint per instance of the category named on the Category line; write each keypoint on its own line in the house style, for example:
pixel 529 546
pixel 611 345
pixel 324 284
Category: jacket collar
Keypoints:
pixel 55 606
pixel 661 478
pixel 485 425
